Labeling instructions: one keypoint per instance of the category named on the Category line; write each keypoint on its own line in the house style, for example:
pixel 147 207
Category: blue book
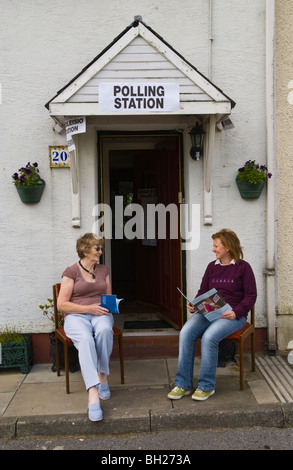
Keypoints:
pixel 110 302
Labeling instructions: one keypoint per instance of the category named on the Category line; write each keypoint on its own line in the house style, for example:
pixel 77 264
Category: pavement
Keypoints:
pixel 35 404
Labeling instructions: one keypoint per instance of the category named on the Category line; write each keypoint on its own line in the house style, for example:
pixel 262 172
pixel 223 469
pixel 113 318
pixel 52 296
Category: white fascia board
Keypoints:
pixel 92 109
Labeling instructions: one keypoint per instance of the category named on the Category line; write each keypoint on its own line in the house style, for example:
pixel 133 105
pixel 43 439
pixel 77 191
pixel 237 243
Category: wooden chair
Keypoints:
pixel 60 335
pixel 239 337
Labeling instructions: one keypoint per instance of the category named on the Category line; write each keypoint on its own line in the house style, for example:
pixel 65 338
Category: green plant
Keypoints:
pixel 253 172
pixel 8 337
pixel 28 175
pixel 48 311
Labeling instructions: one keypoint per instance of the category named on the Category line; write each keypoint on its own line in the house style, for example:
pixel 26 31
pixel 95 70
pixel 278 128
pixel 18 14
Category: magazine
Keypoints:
pixel 110 302
pixel 211 304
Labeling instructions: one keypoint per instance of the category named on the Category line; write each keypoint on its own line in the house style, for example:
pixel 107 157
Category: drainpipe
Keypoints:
pixel 210 146
pixel 270 222
pixel 211 38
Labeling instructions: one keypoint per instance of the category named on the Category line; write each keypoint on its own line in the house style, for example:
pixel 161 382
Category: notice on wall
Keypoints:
pixel 139 97
pixel 76 125
pixel 58 156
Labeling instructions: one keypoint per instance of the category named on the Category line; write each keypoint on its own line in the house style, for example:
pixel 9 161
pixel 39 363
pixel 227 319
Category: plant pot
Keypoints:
pixel 250 190
pixel 17 354
pixel 29 194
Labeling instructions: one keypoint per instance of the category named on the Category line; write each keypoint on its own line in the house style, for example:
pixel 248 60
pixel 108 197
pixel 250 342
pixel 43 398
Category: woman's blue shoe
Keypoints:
pixel 104 391
pixel 95 412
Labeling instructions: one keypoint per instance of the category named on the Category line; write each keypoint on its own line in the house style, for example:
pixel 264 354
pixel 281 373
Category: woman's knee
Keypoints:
pixel 185 333
pixel 104 333
pixel 191 330
pixel 103 326
pixel 209 339
pixel 104 330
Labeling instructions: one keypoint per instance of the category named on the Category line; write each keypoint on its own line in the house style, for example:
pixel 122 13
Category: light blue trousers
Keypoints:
pixel 211 334
pixel 92 335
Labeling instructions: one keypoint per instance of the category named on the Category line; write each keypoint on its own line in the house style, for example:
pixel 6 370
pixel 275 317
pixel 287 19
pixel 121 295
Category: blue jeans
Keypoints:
pixel 92 335
pixel 211 333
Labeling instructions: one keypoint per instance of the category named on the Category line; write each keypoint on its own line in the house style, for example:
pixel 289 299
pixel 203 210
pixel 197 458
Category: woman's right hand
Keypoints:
pixel 190 307
pixel 97 309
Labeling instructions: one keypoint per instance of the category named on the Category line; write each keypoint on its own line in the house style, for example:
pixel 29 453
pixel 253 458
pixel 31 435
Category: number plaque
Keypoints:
pixel 59 157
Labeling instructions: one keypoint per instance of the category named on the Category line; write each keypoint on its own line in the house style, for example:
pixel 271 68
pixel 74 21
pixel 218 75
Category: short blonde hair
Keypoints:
pixel 86 242
pixel 230 241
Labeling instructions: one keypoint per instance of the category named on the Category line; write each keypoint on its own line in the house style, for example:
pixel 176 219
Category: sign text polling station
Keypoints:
pixel 139 97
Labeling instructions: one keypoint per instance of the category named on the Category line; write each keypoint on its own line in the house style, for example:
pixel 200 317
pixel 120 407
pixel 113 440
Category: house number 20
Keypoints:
pixel 59 156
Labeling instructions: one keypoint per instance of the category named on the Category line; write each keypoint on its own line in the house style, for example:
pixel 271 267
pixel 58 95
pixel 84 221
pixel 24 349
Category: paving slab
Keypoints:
pixel 10 380
pixel 47 399
pixel 36 404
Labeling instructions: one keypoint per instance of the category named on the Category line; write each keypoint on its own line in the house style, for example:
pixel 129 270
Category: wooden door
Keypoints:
pixel 158 262
pixel 170 248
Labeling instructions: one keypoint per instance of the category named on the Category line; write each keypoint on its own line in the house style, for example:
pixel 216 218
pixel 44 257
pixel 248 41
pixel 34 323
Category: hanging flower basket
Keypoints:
pixel 28 183
pixel 251 179
pixel 29 194
pixel 250 190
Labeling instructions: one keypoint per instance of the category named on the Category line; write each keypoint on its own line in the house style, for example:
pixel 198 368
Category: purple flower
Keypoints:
pixel 253 172
pixel 27 175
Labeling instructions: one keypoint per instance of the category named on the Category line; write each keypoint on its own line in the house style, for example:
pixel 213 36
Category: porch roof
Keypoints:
pixel 139 55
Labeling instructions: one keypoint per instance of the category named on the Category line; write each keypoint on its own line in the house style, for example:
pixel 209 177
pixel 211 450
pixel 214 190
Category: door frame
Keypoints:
pixel 119 140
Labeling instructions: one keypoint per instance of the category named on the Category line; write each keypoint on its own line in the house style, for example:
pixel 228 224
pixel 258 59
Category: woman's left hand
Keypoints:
pixel 229 315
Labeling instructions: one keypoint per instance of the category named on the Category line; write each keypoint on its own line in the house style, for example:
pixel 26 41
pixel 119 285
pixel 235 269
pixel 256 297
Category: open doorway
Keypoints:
pixel 146 270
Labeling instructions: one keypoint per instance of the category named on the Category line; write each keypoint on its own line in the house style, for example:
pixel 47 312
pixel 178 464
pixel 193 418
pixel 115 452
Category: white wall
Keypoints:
pixel 43 46
pixel 238 61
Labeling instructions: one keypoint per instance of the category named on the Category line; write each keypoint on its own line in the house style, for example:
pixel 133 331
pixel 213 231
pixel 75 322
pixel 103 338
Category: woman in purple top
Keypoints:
pixel 87 324
pixel 234 279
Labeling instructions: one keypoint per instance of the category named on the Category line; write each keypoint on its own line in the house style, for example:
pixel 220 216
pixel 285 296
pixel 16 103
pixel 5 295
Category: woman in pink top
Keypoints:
pixel 87 324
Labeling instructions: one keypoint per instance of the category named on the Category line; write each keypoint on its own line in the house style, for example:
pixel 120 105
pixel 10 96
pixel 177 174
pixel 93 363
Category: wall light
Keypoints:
pixel 197 137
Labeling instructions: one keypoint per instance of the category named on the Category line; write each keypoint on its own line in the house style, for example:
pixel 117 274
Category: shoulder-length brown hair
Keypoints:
pixel 230 241
pixel 86 242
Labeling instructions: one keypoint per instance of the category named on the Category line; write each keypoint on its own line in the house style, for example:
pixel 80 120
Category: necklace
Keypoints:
pixel 92 274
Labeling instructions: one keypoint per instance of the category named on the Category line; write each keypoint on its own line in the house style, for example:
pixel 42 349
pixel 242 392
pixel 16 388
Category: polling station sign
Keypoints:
pixel 139 97
pixel 74 126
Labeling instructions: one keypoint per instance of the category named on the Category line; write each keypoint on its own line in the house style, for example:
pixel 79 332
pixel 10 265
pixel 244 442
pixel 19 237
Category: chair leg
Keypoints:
pixel 57 356
pixel 66 365
pixel 241 365
pixel 121 355
pixel 253 352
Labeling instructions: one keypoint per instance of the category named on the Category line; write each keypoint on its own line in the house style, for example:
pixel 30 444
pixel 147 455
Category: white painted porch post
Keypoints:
pixel 208 164
pixel 75 192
